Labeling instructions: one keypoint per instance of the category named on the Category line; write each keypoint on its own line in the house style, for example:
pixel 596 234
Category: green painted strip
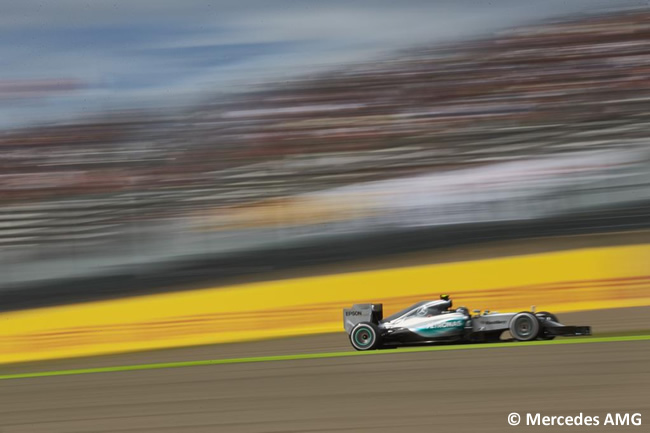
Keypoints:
pixel 321 356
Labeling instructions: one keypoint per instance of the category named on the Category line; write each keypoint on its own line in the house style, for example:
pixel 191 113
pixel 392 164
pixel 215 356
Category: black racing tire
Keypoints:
pixel 544 315
pixel 524 326
pixel 365 336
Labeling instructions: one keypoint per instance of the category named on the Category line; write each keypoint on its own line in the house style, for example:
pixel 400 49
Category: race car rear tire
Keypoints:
pixel 544 315
pixel 365 336
pixel 524 327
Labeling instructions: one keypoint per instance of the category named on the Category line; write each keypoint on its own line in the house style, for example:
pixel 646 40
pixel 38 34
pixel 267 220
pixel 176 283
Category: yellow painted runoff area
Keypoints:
pixel 584 279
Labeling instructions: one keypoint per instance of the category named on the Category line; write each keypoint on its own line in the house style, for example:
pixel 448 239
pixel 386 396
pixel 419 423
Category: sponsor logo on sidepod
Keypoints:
pixel 353 313
pixel 449 324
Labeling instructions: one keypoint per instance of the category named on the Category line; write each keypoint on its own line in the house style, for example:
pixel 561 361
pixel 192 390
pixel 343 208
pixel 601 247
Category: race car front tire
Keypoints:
pixel 524 327
pixel 365 336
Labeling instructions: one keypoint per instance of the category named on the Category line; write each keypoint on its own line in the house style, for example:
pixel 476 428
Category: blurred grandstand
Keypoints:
pixel 530 124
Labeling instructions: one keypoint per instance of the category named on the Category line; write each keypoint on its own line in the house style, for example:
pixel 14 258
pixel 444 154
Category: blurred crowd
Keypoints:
pixel 576 85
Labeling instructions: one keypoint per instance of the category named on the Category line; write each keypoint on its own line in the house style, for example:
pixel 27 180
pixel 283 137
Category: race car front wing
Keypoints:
pixel 568 331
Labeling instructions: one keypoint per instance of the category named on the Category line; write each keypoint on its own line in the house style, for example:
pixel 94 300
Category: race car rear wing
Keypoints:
pixel 372 313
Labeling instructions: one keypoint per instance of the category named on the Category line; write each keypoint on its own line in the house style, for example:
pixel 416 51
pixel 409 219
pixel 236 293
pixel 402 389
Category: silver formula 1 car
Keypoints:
pixel 436 321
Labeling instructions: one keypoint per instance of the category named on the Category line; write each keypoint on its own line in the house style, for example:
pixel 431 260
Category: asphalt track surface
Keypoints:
pixel 454 390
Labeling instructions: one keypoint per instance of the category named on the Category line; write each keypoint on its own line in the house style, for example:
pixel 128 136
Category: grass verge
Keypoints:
pixel 302 356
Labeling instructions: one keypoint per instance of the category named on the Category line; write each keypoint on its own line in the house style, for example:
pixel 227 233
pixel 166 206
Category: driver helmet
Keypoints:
pixel 445 297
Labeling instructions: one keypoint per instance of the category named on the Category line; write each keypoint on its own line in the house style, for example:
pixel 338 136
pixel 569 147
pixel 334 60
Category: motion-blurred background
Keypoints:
pixel 153 146
pixel 177 174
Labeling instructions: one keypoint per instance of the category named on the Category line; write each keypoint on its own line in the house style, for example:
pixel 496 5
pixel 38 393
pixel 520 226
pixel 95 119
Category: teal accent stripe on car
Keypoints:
pixel 440 328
